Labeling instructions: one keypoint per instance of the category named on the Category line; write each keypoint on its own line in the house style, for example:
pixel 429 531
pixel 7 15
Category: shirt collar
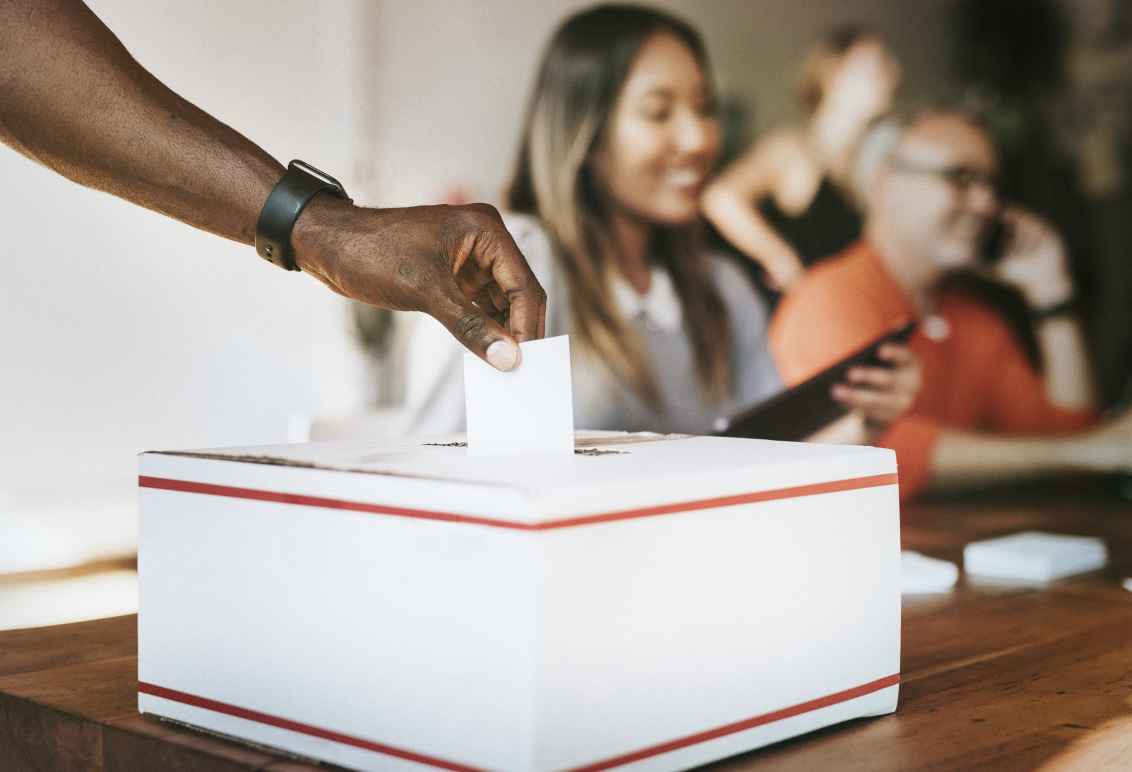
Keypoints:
pixel 901 306
pixel 659 307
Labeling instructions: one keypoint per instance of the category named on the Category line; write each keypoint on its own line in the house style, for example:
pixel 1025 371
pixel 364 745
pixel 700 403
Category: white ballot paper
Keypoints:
pixel 527 410
pixel 1034 556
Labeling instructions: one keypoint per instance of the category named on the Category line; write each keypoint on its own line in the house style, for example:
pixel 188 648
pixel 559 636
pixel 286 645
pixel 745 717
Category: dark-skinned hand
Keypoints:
pixel 457 264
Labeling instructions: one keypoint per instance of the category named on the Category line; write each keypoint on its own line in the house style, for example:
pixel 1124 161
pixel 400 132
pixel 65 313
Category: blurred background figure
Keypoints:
pixel 1053 78
pixel 620 137
pixel 785 203
pixel 264 368
pixel 986 413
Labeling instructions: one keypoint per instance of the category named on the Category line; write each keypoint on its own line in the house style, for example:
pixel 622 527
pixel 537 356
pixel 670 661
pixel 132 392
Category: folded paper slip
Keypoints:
pixel 647 602
pixel 527 410
pixel 1034 556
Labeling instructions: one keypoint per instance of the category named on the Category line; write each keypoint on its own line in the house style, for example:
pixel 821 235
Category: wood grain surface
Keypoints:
pixel 994 675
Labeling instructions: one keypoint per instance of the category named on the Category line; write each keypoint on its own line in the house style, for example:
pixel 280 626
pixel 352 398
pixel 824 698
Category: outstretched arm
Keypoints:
pixel 729 203
pixel 73 99
pixel 967 459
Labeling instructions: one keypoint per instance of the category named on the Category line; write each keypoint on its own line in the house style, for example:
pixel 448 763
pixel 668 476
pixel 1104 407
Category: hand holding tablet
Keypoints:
pixel 880 379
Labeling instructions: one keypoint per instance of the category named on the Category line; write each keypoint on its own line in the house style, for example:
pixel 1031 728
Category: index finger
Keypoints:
pixel 497 254
pixel 895 353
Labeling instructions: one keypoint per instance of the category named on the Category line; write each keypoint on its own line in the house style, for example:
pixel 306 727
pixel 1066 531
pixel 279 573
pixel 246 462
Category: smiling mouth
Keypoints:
pixel 684 178
pixel 971 226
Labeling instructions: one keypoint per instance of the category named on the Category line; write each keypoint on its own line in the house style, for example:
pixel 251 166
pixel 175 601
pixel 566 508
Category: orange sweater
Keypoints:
pixel 976 378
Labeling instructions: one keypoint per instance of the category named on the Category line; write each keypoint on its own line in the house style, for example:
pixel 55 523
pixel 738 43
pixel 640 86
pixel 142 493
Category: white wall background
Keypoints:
pixel 122 331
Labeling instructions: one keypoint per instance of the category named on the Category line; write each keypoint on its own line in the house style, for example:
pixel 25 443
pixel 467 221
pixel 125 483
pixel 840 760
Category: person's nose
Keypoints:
pixel 982 197
pixel 694 134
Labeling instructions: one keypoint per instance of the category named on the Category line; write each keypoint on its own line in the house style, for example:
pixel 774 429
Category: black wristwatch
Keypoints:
pixel 1057 309
pixel 295 189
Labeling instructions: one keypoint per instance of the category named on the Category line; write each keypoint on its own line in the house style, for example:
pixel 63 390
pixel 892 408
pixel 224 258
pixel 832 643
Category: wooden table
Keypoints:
pixel 998 676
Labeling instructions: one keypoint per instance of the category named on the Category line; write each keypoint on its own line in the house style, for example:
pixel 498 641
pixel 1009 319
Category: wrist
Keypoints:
pixel 300 185
pixel 787 262
pixel 319 226
pixel 1048 296
pixel 1060 310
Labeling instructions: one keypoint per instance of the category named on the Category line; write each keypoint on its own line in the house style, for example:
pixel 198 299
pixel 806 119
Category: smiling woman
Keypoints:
pixel 619 137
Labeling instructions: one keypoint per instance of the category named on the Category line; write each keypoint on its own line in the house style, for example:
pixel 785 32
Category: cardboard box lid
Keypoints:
pixel 608 470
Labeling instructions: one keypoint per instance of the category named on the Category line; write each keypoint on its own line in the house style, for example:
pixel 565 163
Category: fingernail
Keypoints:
pixel 503 355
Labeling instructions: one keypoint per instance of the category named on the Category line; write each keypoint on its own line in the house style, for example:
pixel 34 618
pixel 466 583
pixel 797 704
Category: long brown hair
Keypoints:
pixel 579 80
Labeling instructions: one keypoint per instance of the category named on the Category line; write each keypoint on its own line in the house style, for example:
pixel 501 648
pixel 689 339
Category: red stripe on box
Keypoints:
pixel 228 491
pixel 750 723
pixel 644 753
pixel 295 726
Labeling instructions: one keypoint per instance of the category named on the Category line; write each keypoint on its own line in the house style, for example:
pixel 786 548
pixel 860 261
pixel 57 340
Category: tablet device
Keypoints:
pixel 797 413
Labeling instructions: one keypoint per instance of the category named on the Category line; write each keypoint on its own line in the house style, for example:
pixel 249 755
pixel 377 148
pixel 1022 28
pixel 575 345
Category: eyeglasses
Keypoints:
pixel 962 178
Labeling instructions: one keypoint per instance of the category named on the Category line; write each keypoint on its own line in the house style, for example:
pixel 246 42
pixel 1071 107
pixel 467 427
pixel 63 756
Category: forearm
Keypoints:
pixel 1068 374
pixel 73 99
pixel 967 459
pixel 742 225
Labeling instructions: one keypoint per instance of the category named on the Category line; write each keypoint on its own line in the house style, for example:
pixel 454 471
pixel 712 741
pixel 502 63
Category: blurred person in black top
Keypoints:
pixel 785 202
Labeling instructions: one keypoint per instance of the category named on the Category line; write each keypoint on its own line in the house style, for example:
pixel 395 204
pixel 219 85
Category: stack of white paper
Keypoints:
pixel 1034 556
pixel 921 574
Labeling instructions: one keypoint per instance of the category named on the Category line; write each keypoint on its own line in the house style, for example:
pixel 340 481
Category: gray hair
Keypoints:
pixel 874 148
pixel 880 140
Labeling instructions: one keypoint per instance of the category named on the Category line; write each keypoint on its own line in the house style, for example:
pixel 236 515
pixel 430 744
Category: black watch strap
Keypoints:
pixel 1057 309
pixel 290 195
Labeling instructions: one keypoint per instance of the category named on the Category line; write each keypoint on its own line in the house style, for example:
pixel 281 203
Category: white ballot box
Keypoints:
pixel 648 602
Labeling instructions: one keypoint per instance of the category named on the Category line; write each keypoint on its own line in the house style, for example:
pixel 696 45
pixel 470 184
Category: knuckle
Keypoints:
pixel 470 326
pixel 534 289
pixel 484 213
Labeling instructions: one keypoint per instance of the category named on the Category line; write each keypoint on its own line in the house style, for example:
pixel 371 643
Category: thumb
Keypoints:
pixel 479 333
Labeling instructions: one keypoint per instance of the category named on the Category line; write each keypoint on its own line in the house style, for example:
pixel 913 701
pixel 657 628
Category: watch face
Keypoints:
pixel 322 176
pixel 299 184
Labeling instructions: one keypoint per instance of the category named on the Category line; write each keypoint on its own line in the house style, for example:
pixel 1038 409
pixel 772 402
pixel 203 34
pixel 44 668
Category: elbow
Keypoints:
pixel 716 200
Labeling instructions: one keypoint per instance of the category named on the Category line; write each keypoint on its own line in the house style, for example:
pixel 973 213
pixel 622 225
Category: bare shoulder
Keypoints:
pixel 770 155
pixel 784 145
pixel 786 138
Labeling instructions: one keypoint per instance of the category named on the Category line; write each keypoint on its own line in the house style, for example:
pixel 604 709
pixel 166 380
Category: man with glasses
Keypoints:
pixel 985 414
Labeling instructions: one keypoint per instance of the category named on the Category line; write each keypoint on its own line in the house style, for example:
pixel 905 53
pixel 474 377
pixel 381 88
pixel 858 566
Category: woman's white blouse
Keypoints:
pixel 435 365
